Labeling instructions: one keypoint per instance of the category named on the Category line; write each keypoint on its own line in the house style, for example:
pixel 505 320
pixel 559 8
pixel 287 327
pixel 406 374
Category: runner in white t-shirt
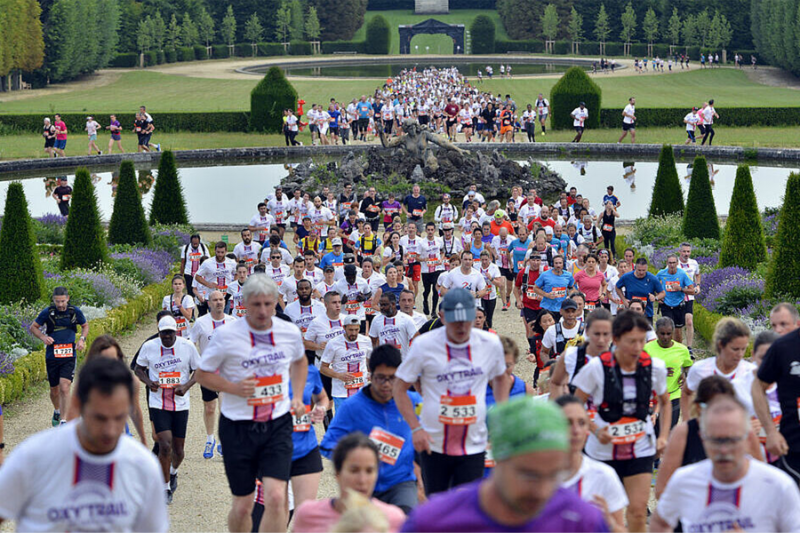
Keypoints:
pixel 455 364
pixel 326 327
pixel 691 120
pixel 391 326
pixel 730 365
pixel 275 269
pixel 288 287
pixel 355 293
pixel 60 479
pixel 252 361
pixel 629 120
pixel 217 272
pixel 280 208
pixel 344 360
pixel 466 277
pixel 247 250
pixel 235 292
pixel 692 269
pixel 260 223
pixel 305 309
pixel 432 259
pixel 729 491
pixel 200 334
pixel 594 481
pixel 166 366
pixel 579 116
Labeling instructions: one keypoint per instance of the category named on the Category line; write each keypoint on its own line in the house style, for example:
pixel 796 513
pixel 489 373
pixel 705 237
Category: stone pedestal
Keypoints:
pixel 429 7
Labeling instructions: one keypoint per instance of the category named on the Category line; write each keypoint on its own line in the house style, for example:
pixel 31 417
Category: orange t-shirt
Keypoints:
pixel 505 224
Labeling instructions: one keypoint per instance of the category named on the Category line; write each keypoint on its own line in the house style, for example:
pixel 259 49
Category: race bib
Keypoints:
pixel 368 308
pixel 673 286
pixel 488 461
pixel 520 265
pixel 417 212
pixel 269 390
pixel 458 410
pixel 302 424
pixel 181 322
pixel 169 380
pixel 626 430
pixel 240 311
pixel 412 257
pixel 590 306
pixel 559 292
pixel 63 351
pixel 608 227
pixel 531 294
pixel 357 382
pixel 642 299
pixel 389 445
pixel 351 307
pixel 65 197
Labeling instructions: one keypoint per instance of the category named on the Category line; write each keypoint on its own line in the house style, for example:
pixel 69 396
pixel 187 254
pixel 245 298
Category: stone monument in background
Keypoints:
pixel 431 7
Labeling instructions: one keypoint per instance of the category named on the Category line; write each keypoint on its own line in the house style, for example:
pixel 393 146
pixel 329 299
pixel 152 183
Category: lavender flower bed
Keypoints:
pixel 153 265
pixel 6 364
pixel 105 291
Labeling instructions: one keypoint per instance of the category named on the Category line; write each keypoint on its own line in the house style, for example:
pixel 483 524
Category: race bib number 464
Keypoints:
pixel 269 390
pixel 458 410
pixel 302 424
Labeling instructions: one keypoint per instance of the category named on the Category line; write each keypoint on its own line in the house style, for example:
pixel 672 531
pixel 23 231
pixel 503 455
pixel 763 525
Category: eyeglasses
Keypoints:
pixel 723 441
pixel 379 379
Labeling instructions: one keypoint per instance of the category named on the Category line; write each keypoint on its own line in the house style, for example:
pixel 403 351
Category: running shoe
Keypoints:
pixel 208 452
pixel 169 497
pixel 173 482
pixel 56 418
pixel 219 449
pixel 158 147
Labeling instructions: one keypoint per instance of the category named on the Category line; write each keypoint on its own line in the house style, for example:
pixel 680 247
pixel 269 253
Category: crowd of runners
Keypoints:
pixel 364 329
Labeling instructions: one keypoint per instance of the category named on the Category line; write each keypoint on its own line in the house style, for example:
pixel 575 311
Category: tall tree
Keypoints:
pixel 228 29
pixel 159 31
pixel 173 36
pixel 702 23
pixel 297 25
pixel 30 50
pixel 690 37
pixel 189 34
pixel 650 26
pixel 283 18
pixel 313 28
pixel 23 269
pixel 783 275
pixel 550 22
pixel 253 31
pixel 720 31
pixel 144 37
pixel 575 27
pixel 128 224
pixel 628 20
pixel 674 27
pixel 340 19
pixel 169 204
pixel 205 25
pixel 602 29
pixel 84 237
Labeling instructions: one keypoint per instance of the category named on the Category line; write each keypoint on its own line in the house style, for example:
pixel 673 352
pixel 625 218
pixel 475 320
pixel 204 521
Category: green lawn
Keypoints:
pixel 30 145
pixel 439 44
pixel 164 92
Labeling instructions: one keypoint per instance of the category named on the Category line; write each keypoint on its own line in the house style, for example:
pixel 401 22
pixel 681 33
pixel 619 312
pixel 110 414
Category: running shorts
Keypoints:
pixel 174 421
pixel 677 314
pixel 60 368
pixel 579 129
pixel 208 394
pixel 311 463
pixel 60 144
pixel 414 271
pixel 506 272
pixel 116 137
pixel 628 127
pixel 50 143
pixel 631 467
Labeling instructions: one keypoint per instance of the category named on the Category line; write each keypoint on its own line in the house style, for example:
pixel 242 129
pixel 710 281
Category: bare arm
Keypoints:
pixel 686 400
pixel 665 420
pixel 298 372
pixel 419 437
pixel 672 458
pixel 776 443
pixel 560 376
pixel 36 330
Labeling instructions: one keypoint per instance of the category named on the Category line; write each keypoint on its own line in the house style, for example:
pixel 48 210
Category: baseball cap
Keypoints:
pixel 447 225
pixel 499 213
pixel 63 178
pixel 336 242
pixel 548 230
pixel 523 425
pixel 569 303
pixel 351 320
pixel 167 324
pixel 458 306
pixel 350 269
pixel 471 193
pixel 329 268
pixel 583 104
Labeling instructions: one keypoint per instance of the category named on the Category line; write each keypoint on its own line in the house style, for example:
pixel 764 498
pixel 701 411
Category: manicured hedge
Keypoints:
pixel 231 121
pixel 185 53
pixel 150 58
pixel 574 87
pixel 591 48
pixel 170 55
pixel 330 47
pixel 271 49
pixel 482 33
pixel 299 48
pixel 243 50
pixel 673 117
pixel 31 369
pixel 127 60
pixel 268 99
pixel 220 51
pixel 200 52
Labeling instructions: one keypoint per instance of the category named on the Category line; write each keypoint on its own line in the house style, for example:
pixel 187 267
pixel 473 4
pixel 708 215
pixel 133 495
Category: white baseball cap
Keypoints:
pixel 351 320
pixel 167 324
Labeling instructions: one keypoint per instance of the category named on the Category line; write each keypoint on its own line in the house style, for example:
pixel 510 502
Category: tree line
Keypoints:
pixel 713 24
pixel 776 32
pixel 21 43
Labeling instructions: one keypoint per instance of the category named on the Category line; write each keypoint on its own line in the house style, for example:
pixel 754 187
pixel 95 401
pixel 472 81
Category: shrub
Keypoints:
pixel 378 36
pixel 22 271
pixel 299 48
pixel 200 52
pixel 146 265
pixel 243 50
pixel 482 33
pixel 271 49
pixel 84 240
pixel 128 223
pixel 575 87
pixel 228 121
pixel 169 205
pixel 743 243
pixel 700 217
pixel 160 57
pixel 185 53
pixel 49 229
pixel 502 47
pixel 150 58
pixel 667 192
pixel 736 116
pixel 268 99
pixel 220 51
pixel 656 231
pixel 170 55
pixel 127 60
pixel 783 276
pixel 171 238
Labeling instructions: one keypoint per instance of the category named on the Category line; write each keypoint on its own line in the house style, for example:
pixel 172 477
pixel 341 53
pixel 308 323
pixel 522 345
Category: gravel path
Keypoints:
pixel 202 500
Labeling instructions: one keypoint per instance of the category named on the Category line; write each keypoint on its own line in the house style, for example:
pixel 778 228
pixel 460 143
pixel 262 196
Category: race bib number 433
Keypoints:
pixel 269 389
pixel 458 410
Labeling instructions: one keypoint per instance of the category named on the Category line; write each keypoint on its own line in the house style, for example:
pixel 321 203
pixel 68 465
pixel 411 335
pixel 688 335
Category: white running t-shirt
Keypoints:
pixel 351 357
pixel 302 316
pixel 397 331
pixel 169 367
pixel 204 327
pixel 598 479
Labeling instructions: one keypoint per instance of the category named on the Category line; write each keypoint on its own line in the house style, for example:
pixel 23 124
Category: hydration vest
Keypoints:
pixel 611 408
pixel 580 361
pixel 50 322
pixel 561 341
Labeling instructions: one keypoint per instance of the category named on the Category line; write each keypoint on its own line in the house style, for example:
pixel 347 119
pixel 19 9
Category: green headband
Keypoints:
pixel 524 425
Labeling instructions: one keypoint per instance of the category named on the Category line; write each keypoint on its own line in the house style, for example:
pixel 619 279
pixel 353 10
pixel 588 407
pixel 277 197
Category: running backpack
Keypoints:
pixel 611 408
pixel 50 322
pixel 561 341
pixel 580 362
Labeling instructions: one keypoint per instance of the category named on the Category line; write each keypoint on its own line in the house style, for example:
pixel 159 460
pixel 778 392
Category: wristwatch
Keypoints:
pixel 2 445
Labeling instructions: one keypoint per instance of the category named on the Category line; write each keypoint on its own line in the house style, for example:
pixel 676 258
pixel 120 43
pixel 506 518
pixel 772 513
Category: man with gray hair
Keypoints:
pixel 57 327
pixel 729 490
pixel 254 362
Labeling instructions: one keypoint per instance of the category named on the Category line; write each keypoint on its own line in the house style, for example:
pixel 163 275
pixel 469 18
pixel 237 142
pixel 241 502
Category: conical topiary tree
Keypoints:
pixel 783 275
pixel 700 216
pixel 379 36
pixel 574 87
pixel 667 192
pixel 743 243
pixel 128 222
pixel 84 238
pixel 22 270
pixel 268 99
pixel 169 206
